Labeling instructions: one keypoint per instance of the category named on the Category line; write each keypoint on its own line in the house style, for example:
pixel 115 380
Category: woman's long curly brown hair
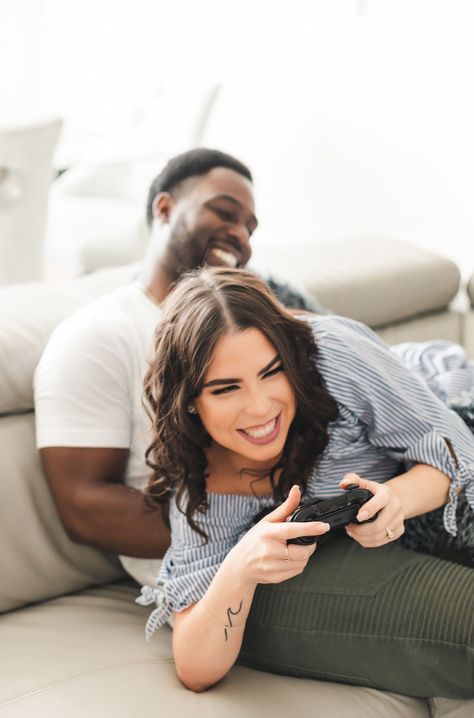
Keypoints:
pixel 203 306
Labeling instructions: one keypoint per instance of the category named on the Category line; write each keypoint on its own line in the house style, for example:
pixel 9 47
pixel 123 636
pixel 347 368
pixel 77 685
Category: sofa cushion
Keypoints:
pixel 377 280
pixel 470 289
pixel 29 314
pixel 37 560
pixel 469 334
pixel 446 325
pixel 85 655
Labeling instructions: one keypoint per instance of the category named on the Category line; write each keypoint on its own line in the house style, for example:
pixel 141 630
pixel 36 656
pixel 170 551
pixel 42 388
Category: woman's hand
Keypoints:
pixel 263 554
pixel 389 524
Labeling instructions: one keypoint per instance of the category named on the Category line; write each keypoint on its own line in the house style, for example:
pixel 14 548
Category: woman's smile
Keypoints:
pixel 263 434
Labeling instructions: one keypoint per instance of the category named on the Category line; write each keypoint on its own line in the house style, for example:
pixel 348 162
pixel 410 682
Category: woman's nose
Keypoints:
pixel 257 404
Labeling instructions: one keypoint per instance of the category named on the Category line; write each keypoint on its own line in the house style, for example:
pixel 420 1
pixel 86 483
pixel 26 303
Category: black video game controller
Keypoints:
pixel 337 511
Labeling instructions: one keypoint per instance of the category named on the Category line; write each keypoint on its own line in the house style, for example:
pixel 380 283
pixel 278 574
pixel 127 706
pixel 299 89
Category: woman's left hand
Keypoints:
pixel 389 524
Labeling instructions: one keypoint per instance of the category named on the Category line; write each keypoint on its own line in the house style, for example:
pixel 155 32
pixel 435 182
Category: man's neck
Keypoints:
pixel 157 282
pixel 157 274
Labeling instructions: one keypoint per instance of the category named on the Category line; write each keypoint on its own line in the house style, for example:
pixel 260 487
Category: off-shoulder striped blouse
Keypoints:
pixel 393 414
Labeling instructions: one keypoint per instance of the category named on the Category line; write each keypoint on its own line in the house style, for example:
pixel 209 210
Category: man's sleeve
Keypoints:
pixel 82 389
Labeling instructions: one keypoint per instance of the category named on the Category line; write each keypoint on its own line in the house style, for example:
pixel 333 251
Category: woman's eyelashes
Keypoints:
pixel 273 371
pixel 234 387
pixel 225 390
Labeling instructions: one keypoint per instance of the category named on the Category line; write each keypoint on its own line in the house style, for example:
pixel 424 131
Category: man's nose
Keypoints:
pixel 240 234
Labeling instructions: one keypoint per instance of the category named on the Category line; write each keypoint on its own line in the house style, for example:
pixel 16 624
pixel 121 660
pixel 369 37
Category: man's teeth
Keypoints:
pixel 265 430
pixel 226 257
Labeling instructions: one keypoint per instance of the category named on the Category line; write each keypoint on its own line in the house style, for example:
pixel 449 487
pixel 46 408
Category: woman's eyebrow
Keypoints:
pixel 217 382
pixel 275 359
pixel 220 382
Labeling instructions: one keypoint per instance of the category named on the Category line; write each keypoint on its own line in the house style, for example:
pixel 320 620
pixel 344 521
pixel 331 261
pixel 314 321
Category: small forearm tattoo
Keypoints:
pixel 230 616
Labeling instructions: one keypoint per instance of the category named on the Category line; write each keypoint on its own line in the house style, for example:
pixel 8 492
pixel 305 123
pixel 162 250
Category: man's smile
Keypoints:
pixel 223 253
pixel 226 258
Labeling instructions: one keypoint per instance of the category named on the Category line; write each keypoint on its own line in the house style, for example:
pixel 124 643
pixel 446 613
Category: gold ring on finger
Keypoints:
pixel 287 558
pixel 390 534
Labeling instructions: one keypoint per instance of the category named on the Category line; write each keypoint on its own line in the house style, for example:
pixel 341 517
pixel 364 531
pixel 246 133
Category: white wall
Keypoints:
pixel 365 127
pixel 22 68
pixel 356 115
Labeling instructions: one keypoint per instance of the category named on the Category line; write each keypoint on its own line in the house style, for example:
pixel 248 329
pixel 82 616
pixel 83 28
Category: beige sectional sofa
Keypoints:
pixel 72 638
pixel 468 325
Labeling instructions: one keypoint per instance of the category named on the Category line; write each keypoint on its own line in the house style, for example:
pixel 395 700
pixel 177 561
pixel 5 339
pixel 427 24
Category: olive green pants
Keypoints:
pixel 388 618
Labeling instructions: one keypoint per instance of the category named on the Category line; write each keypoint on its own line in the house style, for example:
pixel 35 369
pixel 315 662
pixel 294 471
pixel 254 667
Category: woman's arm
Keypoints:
pixel 398 412
pixel 207 636
pixel 420 489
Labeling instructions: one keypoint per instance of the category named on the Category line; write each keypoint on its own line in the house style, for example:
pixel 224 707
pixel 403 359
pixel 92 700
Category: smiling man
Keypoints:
pixel 92 429
pixel 200 210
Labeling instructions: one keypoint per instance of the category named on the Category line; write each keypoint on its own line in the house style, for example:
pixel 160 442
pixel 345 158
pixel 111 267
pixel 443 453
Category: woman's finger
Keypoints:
pixel 378 540
pixel 390 515
pixel 282 512
pixel 295 529
pixel 381 495
pixel 389 526
pixel 297 553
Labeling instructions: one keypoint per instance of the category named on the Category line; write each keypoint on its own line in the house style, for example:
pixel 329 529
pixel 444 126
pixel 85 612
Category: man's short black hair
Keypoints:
pixel 191 164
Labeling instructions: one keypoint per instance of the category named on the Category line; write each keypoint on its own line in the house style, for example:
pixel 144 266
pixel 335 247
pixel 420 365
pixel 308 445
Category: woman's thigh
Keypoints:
pixel 387 618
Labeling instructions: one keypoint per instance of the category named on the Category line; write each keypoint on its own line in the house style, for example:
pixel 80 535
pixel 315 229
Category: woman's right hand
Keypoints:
pixel 263 554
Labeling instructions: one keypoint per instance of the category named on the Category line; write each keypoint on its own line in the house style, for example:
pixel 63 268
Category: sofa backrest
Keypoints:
pixel 37 559
pixel 376 280
pixel 28 314
pixel 470 289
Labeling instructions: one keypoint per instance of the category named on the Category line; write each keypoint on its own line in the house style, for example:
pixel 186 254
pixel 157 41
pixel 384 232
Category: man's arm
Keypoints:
pixel 97 508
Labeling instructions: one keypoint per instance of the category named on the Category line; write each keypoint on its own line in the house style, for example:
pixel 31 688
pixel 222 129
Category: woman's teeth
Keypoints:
pixel 264 430
pixel 229 259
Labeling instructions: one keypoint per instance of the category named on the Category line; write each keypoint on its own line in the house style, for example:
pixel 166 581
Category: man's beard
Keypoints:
pixel 188 249
pixel 191 250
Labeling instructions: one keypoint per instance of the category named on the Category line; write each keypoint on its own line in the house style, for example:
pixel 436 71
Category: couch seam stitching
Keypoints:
pixel 70 679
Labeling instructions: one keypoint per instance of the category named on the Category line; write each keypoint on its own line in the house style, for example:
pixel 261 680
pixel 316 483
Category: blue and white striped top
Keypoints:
pixel 392 415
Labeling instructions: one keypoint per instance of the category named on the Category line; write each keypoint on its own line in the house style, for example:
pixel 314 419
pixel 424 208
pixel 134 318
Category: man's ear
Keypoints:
pixel 162 206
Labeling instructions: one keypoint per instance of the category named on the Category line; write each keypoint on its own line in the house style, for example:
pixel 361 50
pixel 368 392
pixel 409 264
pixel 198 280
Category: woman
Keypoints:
pixel 255 411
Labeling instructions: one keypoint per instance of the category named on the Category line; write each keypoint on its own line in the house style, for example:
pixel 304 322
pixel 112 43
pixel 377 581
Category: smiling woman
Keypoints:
pixel 245 374
pixel 253 409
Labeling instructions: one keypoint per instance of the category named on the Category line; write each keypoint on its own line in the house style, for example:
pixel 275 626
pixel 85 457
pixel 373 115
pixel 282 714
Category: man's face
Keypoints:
pixel 211 220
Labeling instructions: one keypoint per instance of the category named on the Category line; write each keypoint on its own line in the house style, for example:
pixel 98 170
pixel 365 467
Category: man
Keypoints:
pixel 92 428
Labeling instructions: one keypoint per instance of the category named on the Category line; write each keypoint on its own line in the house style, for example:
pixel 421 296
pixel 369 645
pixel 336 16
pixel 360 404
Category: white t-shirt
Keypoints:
pixel 89 386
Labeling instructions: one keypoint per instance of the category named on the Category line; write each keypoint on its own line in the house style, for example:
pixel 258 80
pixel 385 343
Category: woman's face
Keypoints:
pixel 247 403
